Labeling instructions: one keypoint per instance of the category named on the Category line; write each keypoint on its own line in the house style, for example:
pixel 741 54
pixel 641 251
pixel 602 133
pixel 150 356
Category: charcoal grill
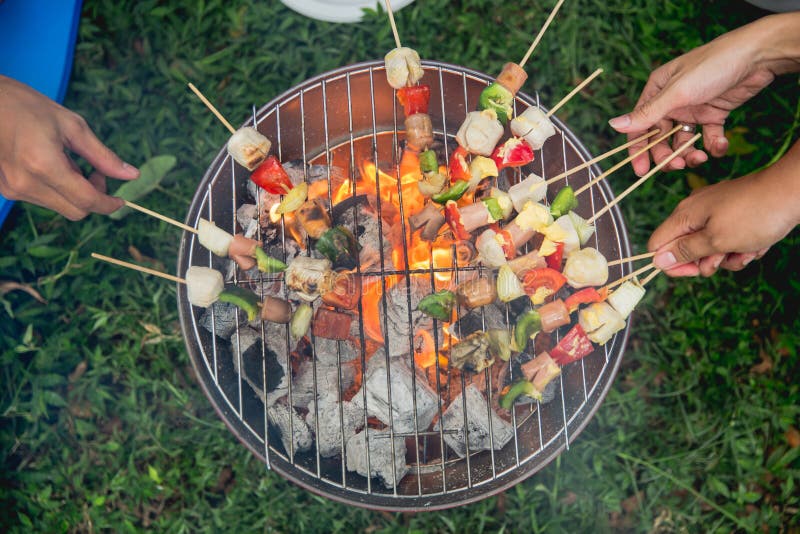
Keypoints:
pixel 335 119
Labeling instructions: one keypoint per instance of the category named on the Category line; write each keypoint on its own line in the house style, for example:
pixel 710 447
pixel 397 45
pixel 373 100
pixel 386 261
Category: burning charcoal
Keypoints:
pixel 329 434
pixel 224 319
pixel 549 392
pixel 248 343
pixel 396 326
pixel 246 217
pixel 326 350
pixel 379 454
pixel 478 425
pixel 327 382
pixel 402 407
pixel 292 428
pixel 368 234
pixel 492 315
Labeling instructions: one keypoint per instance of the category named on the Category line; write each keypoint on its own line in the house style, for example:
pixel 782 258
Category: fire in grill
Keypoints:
pixel 380 418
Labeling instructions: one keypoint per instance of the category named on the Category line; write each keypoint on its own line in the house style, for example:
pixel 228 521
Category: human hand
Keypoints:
pixel 730 223
pixel 34 165
pixel 704 86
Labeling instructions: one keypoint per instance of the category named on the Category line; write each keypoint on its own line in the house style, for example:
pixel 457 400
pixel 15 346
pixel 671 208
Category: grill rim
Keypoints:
pixel 347 495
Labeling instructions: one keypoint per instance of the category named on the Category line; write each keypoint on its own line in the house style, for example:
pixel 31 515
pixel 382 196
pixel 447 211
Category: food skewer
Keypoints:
pixel 157 215
pixel 575 91
pixel 538 38
pixel 392 23
pixel 651 276
pixel 622 163
pixel 631 258
pixel 628 276
pixel 211 108
pixel 139 268
pixel 601 157
pixel 644 178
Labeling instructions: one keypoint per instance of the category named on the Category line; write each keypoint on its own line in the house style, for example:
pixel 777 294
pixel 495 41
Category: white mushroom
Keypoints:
pixel 480 132
pixel 586 267
pixel 403 67
pixel 533 126
pixel 531 188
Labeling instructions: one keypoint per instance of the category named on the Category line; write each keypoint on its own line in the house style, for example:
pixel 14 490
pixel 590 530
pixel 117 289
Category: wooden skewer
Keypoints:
pixel 627 277
pixel 600 157
pixel 159 216
pixel 394 26
pixel 651 276
pixel 541 33
pixel 211 107
pixel 644 178
pixel 627 160
pixel 138 268
pixel 575 91
pixel 631 258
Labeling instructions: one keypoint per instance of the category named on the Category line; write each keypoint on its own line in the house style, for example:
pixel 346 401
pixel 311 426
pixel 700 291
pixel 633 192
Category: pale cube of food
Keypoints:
pixel 249 147
pixel 203 285
pixel 571 239
pixel 403 67
pixel 625 298
pixel 600 322
pixel 480 132
pixel 214 238
pixel 534 126
pixel 586 267
pixel 533 188
pixel 582 227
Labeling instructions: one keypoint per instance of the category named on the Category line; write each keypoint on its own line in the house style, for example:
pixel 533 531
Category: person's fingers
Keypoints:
pixel 78 191
pixel 695 158
pixel 647 113
pixel 679 271
pixel 98 180
pixel 710 264
pixel 685 249
pixel 661 152
pixel 79 138
pixel 736 261
pixel 714 140
pixel 47 197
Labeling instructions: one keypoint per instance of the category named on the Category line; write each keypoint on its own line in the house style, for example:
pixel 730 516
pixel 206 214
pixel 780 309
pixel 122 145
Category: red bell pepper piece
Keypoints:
pixel 414 98
pixel 586 295
pixel 554 260
pixel 545 277
pixel 453 218
pixel 515 152
pixel 271 177
pixel 572 347
pixel 459 168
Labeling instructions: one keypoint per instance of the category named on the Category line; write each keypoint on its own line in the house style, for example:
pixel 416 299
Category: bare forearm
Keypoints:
pixel 779 36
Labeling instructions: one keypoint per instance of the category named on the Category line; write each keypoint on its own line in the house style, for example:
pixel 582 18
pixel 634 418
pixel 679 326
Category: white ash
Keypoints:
pixel 479 435
pixel 293 430
pixel 328 383
pixel 404 394
pixel 248 343
pixel 334 424
pixel 379 456
pixel 331 351
pixel 225 317
pixel 246 217
pixel 396 327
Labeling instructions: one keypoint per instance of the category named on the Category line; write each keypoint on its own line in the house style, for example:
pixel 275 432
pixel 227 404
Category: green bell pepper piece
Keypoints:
pixel 268 264
pixel 523 387
pixel 527 324
pixel 438 305
pixel 339 245
pixel 564 202
pixel 243 298
pixel 427 161
pixel 494 208
pixel 455 192
pixel 499 99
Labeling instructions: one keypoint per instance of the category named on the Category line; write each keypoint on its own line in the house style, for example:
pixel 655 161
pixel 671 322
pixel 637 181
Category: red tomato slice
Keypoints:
pixel 414 98
pixel 572 347
pixel 271 177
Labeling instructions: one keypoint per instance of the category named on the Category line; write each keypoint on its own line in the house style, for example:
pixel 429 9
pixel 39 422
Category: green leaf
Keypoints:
pixel 152 472
pixel 45 252
pixel 153 172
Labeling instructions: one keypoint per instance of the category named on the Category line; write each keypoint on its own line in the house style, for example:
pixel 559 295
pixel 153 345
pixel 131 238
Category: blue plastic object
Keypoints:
pixel 37 41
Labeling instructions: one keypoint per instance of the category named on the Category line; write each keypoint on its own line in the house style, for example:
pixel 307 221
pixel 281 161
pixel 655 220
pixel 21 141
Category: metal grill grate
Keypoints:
pixel 339 118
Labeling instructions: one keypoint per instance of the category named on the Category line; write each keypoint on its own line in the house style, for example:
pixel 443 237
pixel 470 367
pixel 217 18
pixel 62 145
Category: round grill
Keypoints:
pixel 341 119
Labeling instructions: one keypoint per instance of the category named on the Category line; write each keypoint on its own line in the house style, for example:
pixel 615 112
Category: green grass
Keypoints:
pixel 104 427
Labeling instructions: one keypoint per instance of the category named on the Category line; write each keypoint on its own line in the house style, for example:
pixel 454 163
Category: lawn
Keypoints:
pixel 104 427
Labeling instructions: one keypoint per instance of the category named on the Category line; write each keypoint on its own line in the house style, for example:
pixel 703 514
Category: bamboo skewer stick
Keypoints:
pixel 627 277
pixel 626 160
pixel 138 268
pixel 159 216
pixel 575 91
pixel 644 178
pixel 631 258
pixel 391 21
pixel 211 107
pixel 600 157
pixel 651 276
pixel 541 33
